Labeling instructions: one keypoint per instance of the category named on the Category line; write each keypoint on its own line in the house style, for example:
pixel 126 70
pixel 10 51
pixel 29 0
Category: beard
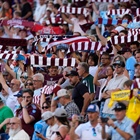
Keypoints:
pixel 13 132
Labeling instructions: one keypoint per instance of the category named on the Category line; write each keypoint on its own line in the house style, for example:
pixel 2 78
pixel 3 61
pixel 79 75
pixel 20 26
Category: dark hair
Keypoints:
pixel 47 102
pixel 29 91
pixel 1 87
pixel 111 66
pixel 128 83
pixel 94 58
pixel 107 54
pixel 57 6
pixel 128 17
pixel 135 43
pixel 63 120
pixel 124 31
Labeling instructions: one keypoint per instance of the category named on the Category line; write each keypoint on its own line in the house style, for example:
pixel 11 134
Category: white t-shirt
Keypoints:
pixel 11 101
pixel 50 131
pixel 92 70
pixel 85 132
pixel 21 135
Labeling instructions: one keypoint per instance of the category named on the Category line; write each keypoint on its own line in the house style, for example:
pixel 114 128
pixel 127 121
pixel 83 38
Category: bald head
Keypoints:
pixel 15 85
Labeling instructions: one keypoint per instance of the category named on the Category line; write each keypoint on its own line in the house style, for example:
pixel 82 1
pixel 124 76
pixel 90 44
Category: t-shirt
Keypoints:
pixel 88 81
pixel 5 112
pixel 77 94
pixel 34 111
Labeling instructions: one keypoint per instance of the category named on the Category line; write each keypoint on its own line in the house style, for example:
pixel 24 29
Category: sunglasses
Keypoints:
pixel 94 132
pixel 29 84
pixel 45 107
pixel 117 66
pixel 12 123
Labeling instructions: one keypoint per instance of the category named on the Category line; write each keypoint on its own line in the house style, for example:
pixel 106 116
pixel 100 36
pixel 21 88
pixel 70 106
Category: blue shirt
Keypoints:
pixel 40 127
pixel 125 125
pixel 130 66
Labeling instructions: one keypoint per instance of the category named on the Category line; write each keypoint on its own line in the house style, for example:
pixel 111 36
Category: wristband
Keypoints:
pixel 24 107
pixel 115 127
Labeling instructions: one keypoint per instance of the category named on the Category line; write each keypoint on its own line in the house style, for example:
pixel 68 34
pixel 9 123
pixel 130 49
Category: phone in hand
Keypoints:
pixel 104 120
pixel 37 132
pixel 58 134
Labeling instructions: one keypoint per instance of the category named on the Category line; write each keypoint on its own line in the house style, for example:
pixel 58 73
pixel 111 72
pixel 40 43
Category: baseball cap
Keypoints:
pixel 46 115
pixel 72 73
pixel 119 106
pixel 19 94
pixel 60 112
pixel 93 108
pixel 61 93
pixel 120 63
pixel 63 47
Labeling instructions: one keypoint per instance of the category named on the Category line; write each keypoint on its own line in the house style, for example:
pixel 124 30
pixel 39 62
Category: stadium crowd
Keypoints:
pixel 69 69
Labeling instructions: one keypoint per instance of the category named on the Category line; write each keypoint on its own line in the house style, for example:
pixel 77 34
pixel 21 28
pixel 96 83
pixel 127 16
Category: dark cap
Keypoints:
pixel 62 47
pixel 120 63
pixel 125 49
pixel 119 106
pixel 72 73
pixel 19 94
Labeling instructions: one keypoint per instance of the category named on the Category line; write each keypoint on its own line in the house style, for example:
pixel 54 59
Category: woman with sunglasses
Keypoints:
pixel 41 126
pixel 29 84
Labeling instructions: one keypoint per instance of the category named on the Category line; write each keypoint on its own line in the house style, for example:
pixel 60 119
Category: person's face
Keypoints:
pixel 6 5
pixel 73 80
pixel 29 85
pixel 22 79
pixel 50 121
pixel 37 83
pixel 61 100
pixel 137 56
pixel 19 99
pixel 111 7
pixel 80 70
pixel 93 116
pixel 41 2
pixel 22 34
pixel 53 71
pixel 90 61
pixel 14 86
pixel 125 55
pixel 14 125
pixel 119 69
pixel 120 114
pixel 133 47
pixel 109 71
pixel 45 108
pixel 105 60
pixel 137 71
pixel 27 97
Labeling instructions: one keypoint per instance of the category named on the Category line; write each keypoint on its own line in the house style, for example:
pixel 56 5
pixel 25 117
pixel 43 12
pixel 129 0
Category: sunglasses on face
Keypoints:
pixel 29 84
pixel 45 107
pixel 117 66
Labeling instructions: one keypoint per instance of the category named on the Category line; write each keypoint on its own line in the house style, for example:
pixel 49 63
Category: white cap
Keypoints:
pixel 46 115
pixel 60 112
pixel 61 93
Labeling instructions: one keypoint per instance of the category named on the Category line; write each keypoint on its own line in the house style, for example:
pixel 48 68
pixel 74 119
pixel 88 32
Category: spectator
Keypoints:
pixel 62 122
pixel 87 79
pixel 12 90
pixel 115 84
pixel 29 84
pixel 89 130
pixel 63 97
pixel 38 80
pixel 80 97
pixel 41 126
pixel 5 112
pixel 29 112
pixel 121 128
pixel 137 56
pixel 40 10
pixel 16 131
pixel 130 60
pixel 48 118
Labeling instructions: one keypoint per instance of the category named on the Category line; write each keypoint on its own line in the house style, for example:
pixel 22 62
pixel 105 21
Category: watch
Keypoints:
pixel 115 127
